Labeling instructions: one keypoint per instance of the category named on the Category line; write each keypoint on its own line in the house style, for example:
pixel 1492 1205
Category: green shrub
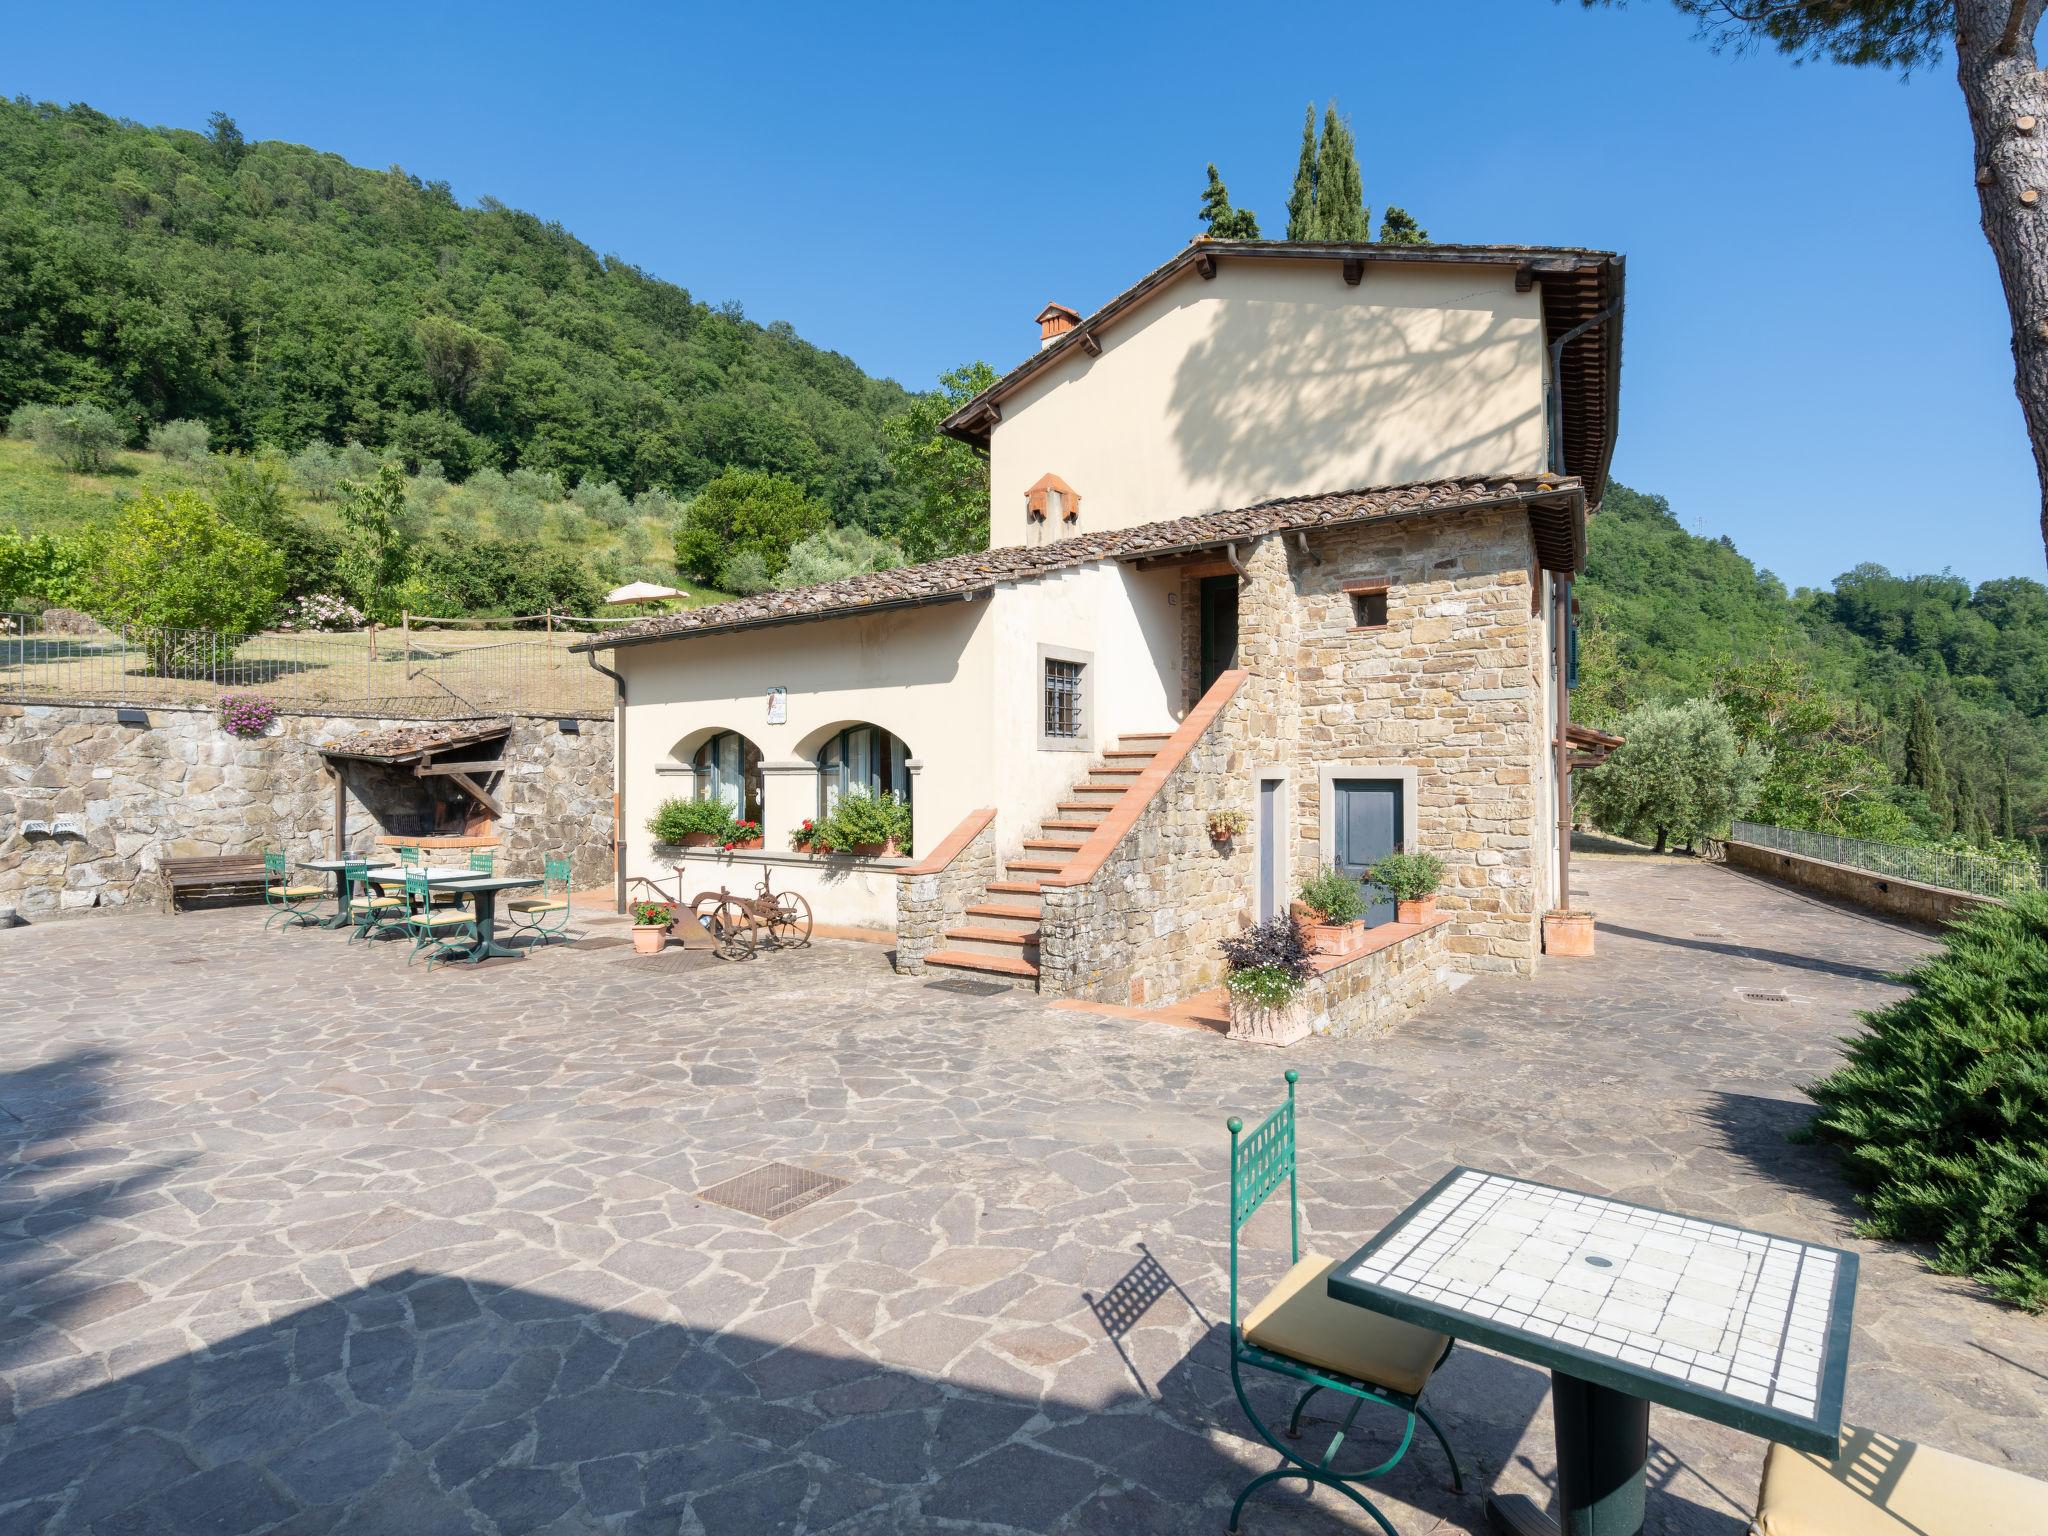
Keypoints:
pixel 1408 876
pixel 833 554
pixel 1942 1109
pixel 37 567
pixel 745 511
pixel 674 820
pixel 745 574
pixel 1334 895
pixel 180 441
pixel 863 817
pixel 170 564
pixel 316 470
pixel 83 437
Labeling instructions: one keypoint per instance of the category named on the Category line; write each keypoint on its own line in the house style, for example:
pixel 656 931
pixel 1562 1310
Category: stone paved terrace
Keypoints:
pixel 295 1239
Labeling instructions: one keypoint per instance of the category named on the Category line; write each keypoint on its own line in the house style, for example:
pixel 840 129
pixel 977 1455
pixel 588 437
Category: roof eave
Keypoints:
pixel 773 620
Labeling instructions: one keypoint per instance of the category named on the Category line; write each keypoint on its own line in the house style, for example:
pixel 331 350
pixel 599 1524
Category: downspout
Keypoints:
pixel 1561 617
pixel 618 776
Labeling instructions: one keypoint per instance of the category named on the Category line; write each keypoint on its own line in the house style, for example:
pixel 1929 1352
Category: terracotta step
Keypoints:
pixel 1096 787
pixel 1068 824
pixel 1117 770
pixel 1015 887
pixel 1035 866
pixel 993 965
pixel 1014 942
pixel 1093 810
pixel 1132 752
pixel 1159 736
pixel 1007 911
pixel 1055 844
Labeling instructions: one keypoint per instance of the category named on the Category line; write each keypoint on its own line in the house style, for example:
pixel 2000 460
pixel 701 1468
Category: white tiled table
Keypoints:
pixel 1626 1305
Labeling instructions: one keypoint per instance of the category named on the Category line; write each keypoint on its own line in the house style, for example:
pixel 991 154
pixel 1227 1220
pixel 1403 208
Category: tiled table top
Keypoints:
pixel 1732 1325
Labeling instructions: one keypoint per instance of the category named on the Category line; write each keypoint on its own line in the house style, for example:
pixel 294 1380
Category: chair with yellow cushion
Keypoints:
pixel 1880 1485
pixel 543 917
pixel 370 910
pixel 293 903
pixel 1299 1331
pixel 441 931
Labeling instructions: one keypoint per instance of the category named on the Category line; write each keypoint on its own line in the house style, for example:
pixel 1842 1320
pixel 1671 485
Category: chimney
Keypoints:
pixel 1054 321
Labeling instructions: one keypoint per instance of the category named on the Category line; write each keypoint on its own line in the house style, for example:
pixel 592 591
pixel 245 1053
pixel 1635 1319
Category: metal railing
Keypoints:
pixel 412 673
pixel 1952 869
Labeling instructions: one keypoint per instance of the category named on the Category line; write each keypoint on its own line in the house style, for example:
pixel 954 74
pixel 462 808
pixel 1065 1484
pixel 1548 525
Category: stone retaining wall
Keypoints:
pixel 935 895
pixel 1909 899
pixel 183 786
pixel 1143 929
pixel 1368 994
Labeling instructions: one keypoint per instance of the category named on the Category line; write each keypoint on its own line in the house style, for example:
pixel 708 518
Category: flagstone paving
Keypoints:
pixel 294 1238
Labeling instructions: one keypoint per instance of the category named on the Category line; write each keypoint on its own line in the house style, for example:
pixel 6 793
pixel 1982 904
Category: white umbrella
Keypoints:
pixel 640 592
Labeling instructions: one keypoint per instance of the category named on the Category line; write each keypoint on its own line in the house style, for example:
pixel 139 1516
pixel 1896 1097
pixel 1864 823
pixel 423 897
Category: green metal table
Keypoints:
pixel 1626 1306
pixel 334 867
pixel 483 891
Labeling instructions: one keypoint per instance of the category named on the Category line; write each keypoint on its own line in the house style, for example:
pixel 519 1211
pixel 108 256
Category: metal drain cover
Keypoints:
pixel 1709 933
pixel 1756 995
pixel 971 988
pixel 773 1190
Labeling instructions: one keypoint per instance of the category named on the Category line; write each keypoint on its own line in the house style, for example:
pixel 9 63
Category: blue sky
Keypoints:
pixel 1817 355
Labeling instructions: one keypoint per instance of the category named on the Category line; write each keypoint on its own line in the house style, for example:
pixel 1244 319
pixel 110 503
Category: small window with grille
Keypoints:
pixel 1062 698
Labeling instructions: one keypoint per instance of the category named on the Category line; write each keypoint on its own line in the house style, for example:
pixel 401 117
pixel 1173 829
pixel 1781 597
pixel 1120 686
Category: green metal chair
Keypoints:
pixel 544 917
pixel 293 903
pixel 441 931
pixel 1299 1331
pixel 370 910
pixel 483 863
pixel 409 855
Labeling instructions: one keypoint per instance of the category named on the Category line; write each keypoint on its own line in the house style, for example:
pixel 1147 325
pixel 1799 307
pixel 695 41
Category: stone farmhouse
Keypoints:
pixel 1284 528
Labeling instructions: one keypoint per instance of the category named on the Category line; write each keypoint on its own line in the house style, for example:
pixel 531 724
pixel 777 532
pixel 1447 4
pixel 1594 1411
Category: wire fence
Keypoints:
pixel 1952 869
pixel 410 672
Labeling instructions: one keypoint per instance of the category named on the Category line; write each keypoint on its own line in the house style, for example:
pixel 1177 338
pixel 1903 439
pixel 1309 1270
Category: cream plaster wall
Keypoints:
pixel 1123 621
pixel 1275 378
pixel 922 674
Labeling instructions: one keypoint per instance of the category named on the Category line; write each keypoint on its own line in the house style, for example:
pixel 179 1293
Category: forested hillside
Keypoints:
pixel 282 296
pixel 1893 706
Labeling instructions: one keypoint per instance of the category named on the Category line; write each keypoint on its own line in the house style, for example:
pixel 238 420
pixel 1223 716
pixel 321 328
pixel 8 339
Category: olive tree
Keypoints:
pixel 1682 774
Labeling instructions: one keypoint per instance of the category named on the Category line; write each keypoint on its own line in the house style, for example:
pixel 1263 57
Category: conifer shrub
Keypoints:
pixel 1942 1109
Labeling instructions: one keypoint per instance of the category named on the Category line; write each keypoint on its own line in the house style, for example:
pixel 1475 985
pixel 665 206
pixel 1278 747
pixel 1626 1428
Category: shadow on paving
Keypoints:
pixel 1760 1131
pixel 424 1401
pixel 1798 962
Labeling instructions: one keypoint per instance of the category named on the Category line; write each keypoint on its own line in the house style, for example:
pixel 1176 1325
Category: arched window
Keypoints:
pixel 864 755
pixel 728 768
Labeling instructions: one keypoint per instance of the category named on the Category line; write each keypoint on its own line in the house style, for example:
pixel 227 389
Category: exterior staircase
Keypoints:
pixel 999 938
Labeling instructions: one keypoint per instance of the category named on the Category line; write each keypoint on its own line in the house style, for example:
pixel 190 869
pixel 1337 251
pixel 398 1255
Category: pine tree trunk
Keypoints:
pixel 2007 100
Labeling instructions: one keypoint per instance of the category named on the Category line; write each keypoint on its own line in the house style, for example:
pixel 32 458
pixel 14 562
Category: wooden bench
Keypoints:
pixel 236 872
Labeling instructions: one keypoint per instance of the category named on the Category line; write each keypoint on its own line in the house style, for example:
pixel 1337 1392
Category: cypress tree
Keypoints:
pixel 2005 822
pixel 1398 227
pixel 1924 770
pixel 1341 213
pixel 1301 202
pixel 1224 221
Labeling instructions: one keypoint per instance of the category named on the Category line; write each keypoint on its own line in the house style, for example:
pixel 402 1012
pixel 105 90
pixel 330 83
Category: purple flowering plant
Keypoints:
pixel 246 714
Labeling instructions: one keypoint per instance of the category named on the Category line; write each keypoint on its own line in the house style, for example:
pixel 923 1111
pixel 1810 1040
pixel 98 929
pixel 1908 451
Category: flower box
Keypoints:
pixel 1284 1025
pixel 1416 912
pixel 1568 933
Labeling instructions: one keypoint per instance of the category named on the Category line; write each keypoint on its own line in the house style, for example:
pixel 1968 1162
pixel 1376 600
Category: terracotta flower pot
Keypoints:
pixel 1420 910
pixel 746 843
pixel 1334 938
pixel 1568 933
pixel 888 850
pixel 649 938
pixel 697 840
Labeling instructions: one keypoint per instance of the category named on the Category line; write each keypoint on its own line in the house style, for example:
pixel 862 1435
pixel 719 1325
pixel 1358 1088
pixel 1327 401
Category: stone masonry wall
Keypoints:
pixel 1143 929
pixel 928 904
pixel 1446 688
pixel 1367 996
pixel 182 785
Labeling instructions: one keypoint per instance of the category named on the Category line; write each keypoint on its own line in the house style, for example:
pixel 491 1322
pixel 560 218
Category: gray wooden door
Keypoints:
pixel 1270 899
pixel 1368 827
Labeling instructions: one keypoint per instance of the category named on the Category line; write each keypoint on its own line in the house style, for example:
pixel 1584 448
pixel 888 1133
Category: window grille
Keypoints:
pixel 1062 698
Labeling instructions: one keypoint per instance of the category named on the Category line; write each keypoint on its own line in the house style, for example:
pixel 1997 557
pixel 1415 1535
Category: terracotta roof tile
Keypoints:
pixel 963 575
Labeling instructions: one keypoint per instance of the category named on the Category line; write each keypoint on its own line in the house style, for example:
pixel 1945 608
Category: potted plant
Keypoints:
pixel 248 715
pixel 1413 878
pixel 745 835
pixel 1227 824
pixel 692 823
pixel 651 923
pixel 809 838
pixel 1334 905
pixel 869 825
pixel 1267 981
